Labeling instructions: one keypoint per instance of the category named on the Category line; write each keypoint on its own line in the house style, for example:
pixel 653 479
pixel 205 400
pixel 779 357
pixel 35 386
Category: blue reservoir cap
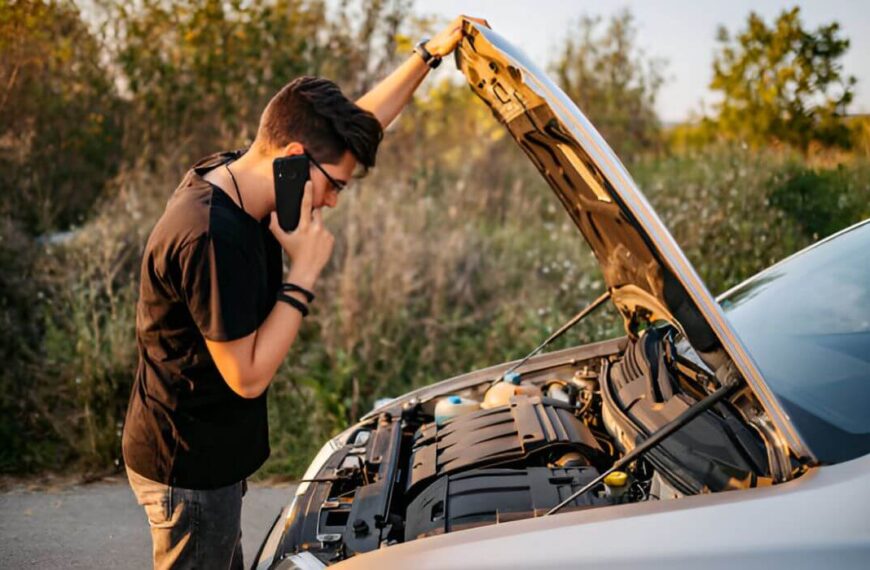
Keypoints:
pixel 454 400
pixel 512 377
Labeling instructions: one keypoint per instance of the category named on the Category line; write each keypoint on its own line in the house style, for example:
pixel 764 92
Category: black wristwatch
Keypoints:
pixel 428 58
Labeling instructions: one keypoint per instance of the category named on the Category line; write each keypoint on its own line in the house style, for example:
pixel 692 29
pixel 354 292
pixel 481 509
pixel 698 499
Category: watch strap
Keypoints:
pixel 429 59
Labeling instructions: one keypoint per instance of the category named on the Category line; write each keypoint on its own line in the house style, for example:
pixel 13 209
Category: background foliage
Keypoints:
pixel 602 70
pixel 780 83
pixel 452 255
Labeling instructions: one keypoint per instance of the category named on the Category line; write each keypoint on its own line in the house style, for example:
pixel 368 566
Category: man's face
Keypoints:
pixel 325 194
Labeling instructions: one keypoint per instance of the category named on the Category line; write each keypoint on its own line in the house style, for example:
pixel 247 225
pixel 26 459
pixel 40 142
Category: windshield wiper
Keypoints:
pixel 657 437
pixel 562 330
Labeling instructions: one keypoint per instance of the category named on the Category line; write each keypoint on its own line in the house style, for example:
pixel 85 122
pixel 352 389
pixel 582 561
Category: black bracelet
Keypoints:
pixel 294 288
pixel 295 303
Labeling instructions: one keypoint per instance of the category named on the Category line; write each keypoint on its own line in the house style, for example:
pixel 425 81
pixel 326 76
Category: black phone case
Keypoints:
pixel 291 174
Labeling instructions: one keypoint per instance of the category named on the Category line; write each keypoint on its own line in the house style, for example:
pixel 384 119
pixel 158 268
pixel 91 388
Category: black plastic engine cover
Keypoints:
pixel 486 496
pixel 496 436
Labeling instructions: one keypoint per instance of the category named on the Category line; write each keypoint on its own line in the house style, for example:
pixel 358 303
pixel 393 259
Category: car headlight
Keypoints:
pixel 301 561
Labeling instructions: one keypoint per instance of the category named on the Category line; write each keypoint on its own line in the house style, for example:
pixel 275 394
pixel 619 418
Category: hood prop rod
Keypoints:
pixel 562 330
pixel 657 437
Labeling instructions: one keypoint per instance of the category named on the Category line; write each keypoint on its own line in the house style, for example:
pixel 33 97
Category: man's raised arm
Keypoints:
pixel 387 99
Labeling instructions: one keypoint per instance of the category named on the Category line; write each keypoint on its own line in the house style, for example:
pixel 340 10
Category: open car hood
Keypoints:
pixel 647 274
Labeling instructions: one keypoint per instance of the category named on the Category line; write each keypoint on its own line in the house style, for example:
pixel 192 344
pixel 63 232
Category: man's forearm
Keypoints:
pixel 387 99
pixel 249 364
pixel 272 342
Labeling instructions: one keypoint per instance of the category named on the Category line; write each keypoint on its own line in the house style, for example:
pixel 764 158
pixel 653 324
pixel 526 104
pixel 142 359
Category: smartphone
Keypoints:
pixel 291 174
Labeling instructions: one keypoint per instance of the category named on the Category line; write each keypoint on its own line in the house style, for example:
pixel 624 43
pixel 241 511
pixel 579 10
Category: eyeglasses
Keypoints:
pixel 338 185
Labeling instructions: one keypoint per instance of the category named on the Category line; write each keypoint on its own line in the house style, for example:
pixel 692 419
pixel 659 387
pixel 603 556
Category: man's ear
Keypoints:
pixel 293 149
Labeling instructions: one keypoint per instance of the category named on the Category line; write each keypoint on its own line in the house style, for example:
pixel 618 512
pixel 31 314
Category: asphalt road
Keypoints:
pixel 101 526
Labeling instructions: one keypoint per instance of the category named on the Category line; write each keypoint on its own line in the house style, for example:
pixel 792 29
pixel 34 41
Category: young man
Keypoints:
pixel 213 319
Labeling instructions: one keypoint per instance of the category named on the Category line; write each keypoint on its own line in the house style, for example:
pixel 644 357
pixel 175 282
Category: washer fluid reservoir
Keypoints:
pixel 449 407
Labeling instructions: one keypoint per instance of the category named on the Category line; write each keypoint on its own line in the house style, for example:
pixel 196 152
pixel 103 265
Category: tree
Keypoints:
pixel 203 70
pixel 613 83
pixel 59 115
pixel 782 82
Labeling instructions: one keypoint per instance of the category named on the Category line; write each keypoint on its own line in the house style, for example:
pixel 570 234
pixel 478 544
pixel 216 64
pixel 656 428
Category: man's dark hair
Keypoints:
pixel 314 112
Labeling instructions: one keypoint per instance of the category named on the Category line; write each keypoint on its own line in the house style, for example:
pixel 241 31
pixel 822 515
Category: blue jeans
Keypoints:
pixel 192 528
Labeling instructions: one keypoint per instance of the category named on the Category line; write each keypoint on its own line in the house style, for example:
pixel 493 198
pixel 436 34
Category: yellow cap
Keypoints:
pixel 616 479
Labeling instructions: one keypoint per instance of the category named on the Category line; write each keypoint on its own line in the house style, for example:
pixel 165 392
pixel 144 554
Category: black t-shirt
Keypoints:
pixel 209 270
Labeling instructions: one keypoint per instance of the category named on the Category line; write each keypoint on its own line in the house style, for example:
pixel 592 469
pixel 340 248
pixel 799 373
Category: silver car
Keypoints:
pixel 716 433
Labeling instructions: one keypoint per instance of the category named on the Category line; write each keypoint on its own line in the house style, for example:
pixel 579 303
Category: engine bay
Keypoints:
pixel 508 448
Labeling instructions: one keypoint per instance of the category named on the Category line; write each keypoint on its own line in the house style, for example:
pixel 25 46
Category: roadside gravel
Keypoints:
pixel 101 526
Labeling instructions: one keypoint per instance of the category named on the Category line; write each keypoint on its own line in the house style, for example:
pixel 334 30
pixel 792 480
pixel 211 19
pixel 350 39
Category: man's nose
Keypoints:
pixel 331 199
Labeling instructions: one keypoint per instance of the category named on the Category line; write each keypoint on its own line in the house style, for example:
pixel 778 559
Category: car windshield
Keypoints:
pixel 806 322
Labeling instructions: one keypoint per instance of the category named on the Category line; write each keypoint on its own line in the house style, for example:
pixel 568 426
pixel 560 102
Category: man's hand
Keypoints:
pixel 446 40
pixel 309 246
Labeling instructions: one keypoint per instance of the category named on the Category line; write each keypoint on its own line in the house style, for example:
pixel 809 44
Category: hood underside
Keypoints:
pixel 647 274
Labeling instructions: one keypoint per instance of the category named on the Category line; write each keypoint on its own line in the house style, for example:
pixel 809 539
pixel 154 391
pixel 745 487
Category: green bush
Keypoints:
pixel 60 117
pixel 717 204
pixel 822 202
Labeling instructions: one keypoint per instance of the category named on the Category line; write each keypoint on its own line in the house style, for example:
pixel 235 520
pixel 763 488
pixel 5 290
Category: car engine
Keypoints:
pixel 414 470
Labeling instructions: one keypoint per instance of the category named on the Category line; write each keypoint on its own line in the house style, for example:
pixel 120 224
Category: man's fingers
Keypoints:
pixel 476 20
pixel 305 209
pixel 274 227
pixel 317 218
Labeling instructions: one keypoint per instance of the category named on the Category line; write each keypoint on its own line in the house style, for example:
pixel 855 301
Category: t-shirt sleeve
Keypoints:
pixel 215 285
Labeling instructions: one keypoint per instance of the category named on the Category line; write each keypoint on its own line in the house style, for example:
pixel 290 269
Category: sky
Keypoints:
pixel 681 32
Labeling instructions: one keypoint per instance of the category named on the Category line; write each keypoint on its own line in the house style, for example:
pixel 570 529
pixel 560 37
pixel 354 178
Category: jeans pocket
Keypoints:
pixel 159 512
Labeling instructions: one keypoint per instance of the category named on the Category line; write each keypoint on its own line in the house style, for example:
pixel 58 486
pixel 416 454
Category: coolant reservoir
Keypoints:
pixel 501 392
pixel 451 406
